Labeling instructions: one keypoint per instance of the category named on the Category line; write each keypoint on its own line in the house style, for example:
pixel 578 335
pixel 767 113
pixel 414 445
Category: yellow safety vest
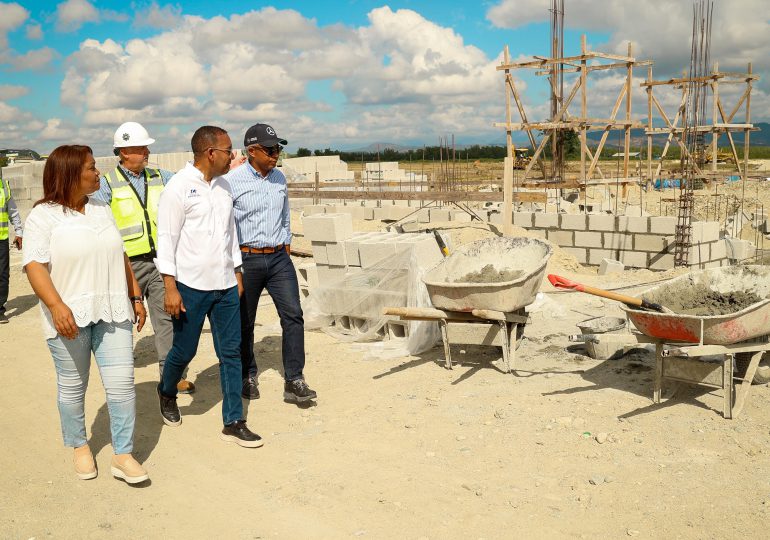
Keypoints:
pixel 5 196
pixel 137 222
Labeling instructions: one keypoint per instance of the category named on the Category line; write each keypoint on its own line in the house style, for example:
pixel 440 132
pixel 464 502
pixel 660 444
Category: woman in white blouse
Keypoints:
pixel 89 299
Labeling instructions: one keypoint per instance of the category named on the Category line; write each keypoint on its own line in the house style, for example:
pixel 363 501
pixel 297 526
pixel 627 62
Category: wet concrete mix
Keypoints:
pixel 490 274
pixel 702 301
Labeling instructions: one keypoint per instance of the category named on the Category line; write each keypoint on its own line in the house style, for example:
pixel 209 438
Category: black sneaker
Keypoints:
pixel 3 318
pixel 240 434
pixel 250 388
pixel 298 391
pixel 168 410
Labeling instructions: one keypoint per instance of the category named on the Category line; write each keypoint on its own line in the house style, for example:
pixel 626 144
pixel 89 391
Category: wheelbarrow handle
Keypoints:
pixel 564 283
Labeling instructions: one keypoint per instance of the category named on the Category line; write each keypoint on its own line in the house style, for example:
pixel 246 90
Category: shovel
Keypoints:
pixel 564 283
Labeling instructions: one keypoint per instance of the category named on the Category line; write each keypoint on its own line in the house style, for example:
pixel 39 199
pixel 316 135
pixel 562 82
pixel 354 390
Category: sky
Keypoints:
pixel 339 74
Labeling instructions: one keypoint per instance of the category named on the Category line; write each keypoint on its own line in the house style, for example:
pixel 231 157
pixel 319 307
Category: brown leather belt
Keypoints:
pixel 249 249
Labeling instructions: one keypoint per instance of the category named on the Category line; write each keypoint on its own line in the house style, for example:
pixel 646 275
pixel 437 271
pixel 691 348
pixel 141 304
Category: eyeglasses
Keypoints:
pixel 227 150
pixel 271 150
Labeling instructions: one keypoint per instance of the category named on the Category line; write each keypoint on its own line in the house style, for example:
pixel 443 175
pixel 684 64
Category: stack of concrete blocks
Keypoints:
pixel 635 241
pixel 358 274
pixel 389 171
pixel 329 168
pixel 388 211
pixel 26 183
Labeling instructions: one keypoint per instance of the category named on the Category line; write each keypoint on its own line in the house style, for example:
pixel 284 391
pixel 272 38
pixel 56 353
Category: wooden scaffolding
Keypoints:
pixel 583 64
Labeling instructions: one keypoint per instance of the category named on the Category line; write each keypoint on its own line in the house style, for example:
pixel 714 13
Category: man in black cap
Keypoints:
pixel 261 211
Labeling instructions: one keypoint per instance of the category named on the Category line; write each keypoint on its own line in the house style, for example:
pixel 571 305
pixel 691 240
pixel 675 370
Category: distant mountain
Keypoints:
pixel 638 138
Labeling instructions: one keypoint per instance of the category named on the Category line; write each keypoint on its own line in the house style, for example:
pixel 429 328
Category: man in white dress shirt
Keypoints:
pixel 199 259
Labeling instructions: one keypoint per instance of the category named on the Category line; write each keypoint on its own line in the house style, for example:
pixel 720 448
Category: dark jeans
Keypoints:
pixel 274 272
pixel 5 273
pixel 221 307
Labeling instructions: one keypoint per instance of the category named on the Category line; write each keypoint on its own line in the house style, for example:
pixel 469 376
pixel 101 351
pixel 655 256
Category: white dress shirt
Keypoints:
pixel 197 241
pixel 84 255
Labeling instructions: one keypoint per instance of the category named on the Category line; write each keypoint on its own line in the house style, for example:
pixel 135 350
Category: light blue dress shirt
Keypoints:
pixel 261 207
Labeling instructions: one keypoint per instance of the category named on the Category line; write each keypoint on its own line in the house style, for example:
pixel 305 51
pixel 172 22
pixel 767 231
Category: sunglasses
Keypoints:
pixel 271 150
pixel 228 150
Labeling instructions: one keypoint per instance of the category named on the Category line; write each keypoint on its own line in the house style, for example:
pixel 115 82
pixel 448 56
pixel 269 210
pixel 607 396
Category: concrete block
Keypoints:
pixel 718 250
pixel 351 248
pixel 424 248
pixel 561 238
pixel 319 252
pixel 422 215
pixel 335 254
pixel 537 233
pixel 396 213
pixel 379 214
pixel 581 254
pixel 739 250
pixel 634 259
pixel 595 256
pixel 588 239
pixel 546 221
pixel 573 222
pixel 652 242
pixel 461 217
pixel 661 261
pixel 328 275
pixel 328 227
pixel 698 254
pixel 495 217
pixel 307 274
pixel 609 266
pixel 439 214
pixel 633 224
pixel 705 231
pixel 663 225
pixel 523 219
pixel 373 250
pixel 618 241
pixel 313 209
pixel 601 222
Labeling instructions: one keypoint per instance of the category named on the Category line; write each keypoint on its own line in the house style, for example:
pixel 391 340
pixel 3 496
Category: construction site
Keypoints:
pixel 540 347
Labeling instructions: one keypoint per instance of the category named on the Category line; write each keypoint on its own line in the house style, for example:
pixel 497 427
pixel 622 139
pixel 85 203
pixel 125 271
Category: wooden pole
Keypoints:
pixel 627 138
pixel 649 126
pixel 508 137
pixel 508 196
pixel 714 115
pixel 583 111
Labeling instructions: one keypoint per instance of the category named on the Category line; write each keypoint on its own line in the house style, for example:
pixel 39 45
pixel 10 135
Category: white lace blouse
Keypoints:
pixel 84 254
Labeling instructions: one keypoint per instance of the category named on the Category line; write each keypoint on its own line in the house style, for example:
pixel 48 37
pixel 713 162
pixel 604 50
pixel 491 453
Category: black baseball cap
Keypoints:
pixel 263 135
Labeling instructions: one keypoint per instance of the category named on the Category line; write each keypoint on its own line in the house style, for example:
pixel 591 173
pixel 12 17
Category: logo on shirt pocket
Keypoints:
pixel 193 193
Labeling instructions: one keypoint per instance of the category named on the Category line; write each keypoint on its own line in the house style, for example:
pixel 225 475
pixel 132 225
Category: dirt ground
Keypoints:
pixel 567 447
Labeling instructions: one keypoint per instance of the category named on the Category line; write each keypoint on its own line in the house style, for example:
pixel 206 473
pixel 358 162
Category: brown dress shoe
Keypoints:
pixel 85 467
pixel 125 467
pixel 185 387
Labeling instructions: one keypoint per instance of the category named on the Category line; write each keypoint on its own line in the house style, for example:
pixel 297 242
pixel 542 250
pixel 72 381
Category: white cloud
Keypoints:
pixel 34 32
pixel 13 16
pixel 73 14
pixel 33 60
pixel 12 91
pixel 156 16
pixel 660 29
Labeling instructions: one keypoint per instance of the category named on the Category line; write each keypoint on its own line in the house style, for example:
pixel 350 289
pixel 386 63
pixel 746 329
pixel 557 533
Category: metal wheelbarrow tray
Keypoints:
pixel 750 322
pixel 527 255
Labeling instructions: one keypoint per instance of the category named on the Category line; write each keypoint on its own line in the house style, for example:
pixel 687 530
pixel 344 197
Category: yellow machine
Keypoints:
pixel 521 158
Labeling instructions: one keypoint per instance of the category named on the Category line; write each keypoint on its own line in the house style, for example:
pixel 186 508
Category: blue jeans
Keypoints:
pixel 273 271
pixel 112 345
pixel 222 309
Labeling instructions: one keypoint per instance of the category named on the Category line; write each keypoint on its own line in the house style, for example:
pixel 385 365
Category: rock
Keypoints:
pixel 409 426
pixel 499 414
pixel 601 438
pixel 596 480
pixel 632 532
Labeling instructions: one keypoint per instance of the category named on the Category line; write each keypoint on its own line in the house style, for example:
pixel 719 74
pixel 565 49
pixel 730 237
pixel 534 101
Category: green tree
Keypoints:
pixel 303 152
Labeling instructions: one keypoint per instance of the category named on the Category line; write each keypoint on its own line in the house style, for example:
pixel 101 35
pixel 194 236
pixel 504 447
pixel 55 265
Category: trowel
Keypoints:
pixel 564 283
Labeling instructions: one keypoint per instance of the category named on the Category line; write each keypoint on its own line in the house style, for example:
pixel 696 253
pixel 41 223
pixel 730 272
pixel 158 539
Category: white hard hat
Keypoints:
pixel 131 134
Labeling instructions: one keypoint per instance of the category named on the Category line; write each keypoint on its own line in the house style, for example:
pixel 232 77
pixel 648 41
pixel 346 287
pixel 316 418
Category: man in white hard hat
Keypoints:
pixel 133 190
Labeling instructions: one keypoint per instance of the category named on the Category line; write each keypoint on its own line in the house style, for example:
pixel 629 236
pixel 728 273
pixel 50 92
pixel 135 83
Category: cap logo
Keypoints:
pixel 270 131
pixel 126 136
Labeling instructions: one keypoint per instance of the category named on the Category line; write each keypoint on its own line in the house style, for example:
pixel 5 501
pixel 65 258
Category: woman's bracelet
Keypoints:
pixel 136 299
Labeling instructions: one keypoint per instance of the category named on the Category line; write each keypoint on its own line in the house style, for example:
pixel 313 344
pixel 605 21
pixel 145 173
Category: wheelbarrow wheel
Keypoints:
pixel 761 376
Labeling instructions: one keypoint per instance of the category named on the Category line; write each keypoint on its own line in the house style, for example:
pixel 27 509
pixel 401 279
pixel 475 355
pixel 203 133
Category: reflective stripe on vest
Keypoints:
pixel 130 215
pixel 5 196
